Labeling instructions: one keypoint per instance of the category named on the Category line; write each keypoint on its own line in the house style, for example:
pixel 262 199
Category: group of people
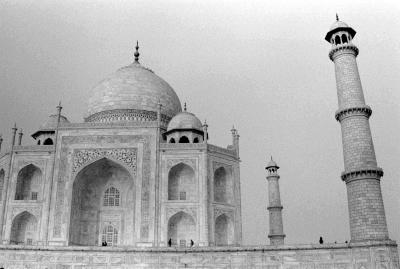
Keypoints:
pixel 170 242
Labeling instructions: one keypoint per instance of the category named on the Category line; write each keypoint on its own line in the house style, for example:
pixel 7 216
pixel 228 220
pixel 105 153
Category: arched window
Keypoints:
pixel 196 140
pixel 48 141
pixel 344 38
pixel 109 235
pixel 172 140
pixel 38 142
pixel 111 197
pixel 337 40
pixel 184 139
pixel 29 180
pixel 1 183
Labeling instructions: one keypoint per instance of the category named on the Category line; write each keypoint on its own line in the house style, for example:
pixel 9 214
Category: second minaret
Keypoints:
pixel 276 235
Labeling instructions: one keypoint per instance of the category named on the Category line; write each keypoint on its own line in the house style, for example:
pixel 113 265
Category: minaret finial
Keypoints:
pixel 184 107
pixel 337 17
pixel 137 52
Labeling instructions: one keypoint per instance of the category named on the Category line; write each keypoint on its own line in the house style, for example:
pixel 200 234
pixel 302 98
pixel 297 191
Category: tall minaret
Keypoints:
pixel 276 235
pixel 361 173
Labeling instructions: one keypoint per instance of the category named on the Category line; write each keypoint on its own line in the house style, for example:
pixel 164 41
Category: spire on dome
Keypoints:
pixel 272 163
pixel 136 54
pixel 184 107
pixel 337 17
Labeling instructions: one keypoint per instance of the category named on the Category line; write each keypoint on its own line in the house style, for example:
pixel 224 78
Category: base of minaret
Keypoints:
pixel 276 239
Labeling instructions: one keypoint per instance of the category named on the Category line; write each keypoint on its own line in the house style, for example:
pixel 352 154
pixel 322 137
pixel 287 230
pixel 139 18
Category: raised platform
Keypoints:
pixel 365 255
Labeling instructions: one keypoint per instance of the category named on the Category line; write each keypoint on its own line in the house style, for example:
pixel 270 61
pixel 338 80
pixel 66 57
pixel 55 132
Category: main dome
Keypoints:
pixel 132 93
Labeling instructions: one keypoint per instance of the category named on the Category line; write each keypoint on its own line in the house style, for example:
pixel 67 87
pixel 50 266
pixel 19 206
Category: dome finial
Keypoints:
pixel 184 107
pixel 137 52
pixel 337 17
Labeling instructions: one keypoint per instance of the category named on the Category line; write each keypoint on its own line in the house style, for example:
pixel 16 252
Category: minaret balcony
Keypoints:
pixel 353 111
pixel 347 48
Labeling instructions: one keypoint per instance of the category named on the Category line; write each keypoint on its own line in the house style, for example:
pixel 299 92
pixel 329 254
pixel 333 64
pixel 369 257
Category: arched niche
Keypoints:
pixel 94 206
pixel 181 229
pixel 223 185
pixel 344 38
pixel 184 139
pixel 24 229
pixel 48 141
pixel 29 182
pixel 172 140
pixel 337 40
pixel 224 231
pixel 2 176
pixel 181 183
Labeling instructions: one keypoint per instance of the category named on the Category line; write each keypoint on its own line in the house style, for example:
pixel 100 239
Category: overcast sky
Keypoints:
pixel 260 65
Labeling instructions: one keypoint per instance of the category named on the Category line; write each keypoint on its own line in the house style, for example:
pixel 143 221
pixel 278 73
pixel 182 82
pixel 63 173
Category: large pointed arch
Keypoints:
pixel 29 182
pixel 181 183
pixel 181 229
pixel 24 229
pixel 90 214
pixel 224 230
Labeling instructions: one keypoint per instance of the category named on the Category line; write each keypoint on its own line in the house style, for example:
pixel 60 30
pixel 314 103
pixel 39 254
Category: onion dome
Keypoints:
pixel 132 93
pixel 50 125
pixel 338 26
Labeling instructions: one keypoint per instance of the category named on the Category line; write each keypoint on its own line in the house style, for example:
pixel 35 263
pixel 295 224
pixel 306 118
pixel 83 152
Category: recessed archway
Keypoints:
pixel 24 229
pixel 102 195
pixel 182 229
pixel 224 231
pixel 181 183
pixel 29 181
pixel 222 186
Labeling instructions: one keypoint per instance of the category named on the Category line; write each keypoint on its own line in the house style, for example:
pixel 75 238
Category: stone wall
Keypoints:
pixel 368 255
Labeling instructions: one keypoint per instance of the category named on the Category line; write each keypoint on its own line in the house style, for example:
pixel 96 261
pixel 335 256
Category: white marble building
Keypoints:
pixel 137 172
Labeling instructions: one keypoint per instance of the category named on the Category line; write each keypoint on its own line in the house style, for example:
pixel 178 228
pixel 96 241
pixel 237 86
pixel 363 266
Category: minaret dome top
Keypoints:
pixel 338 26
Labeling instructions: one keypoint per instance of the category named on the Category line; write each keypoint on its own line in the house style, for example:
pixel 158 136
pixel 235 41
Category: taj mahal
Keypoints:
pixel 138 185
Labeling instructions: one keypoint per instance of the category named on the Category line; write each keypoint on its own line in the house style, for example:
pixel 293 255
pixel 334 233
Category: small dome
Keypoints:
pixel 51 122
pixel 50 125
pixel 338 24
pixel 272 163
pixel 133 88
pixel 185 120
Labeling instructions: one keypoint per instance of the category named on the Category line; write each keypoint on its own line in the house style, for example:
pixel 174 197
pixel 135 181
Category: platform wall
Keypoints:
pixel 368 255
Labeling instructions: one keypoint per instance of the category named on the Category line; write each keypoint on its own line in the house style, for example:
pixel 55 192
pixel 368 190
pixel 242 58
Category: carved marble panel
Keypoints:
pixel 83 156
pixel 192 211
pixel 173 162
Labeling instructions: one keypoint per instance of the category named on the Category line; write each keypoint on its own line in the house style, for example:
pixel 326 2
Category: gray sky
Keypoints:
pixel 260 65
